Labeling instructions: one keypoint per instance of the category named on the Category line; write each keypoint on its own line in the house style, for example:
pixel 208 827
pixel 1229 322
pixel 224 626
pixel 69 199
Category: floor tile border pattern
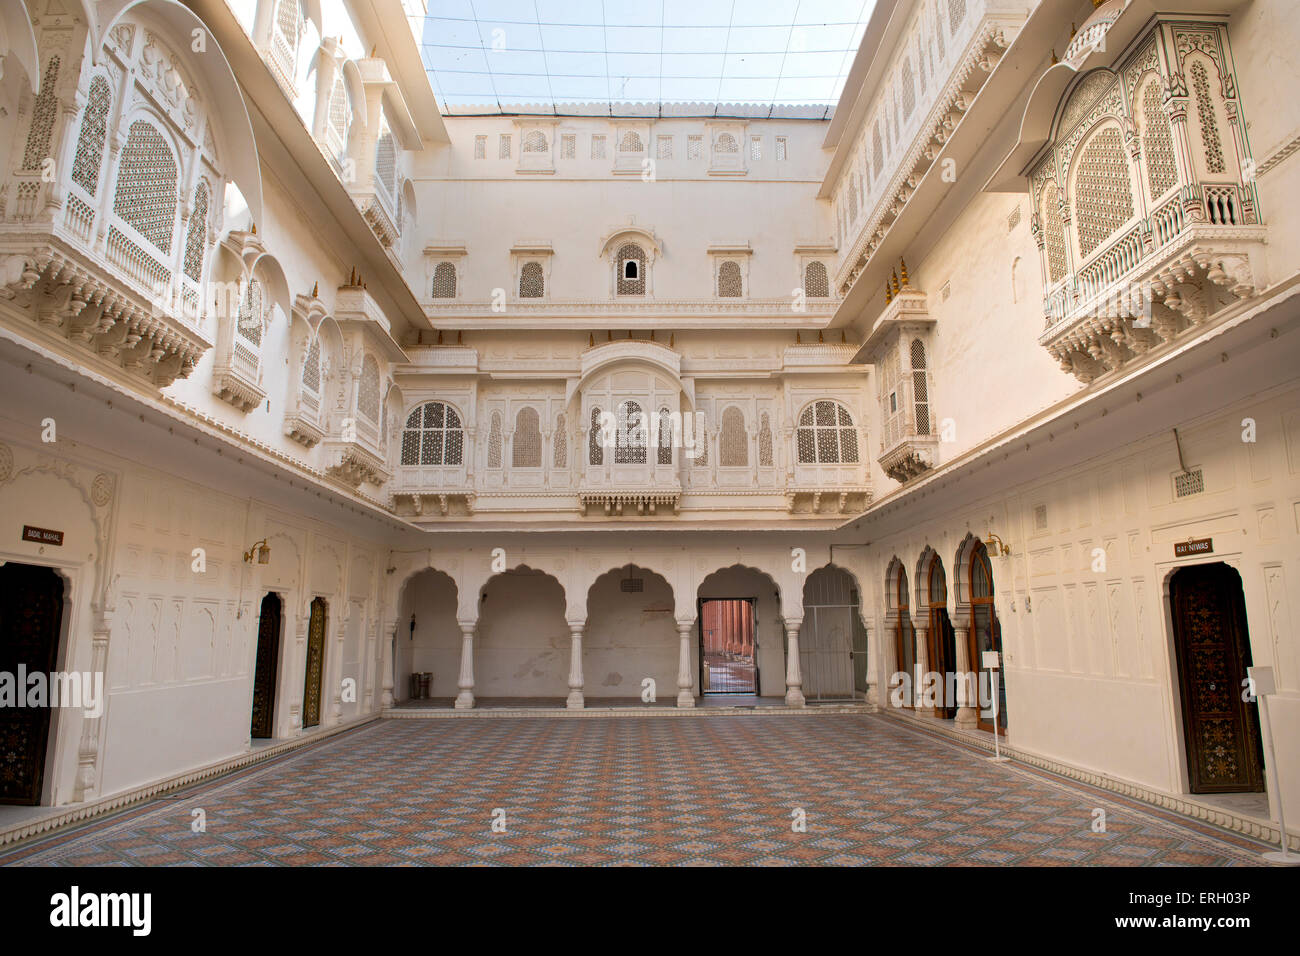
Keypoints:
pixel 61 817
pixel 1212 840
pixel 1217 822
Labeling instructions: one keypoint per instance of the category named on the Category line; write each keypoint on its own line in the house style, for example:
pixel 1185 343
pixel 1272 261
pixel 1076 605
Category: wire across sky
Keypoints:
pixel 773 57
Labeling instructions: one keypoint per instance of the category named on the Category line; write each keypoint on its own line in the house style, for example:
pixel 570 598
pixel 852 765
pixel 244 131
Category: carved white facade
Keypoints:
pixel 463 375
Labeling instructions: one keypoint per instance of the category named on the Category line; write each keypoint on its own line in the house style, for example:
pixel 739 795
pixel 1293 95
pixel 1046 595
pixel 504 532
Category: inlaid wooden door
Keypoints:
pixel 268 661
pixel 31 619
pixel 1224 753
pixel 315 664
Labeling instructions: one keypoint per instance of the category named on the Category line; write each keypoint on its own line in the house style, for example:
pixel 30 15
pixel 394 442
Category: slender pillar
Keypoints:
pixel 685 679
pixel 576 700
pixel 465 699
pixel 387 663
pixel 966 716
pixel 922 664
pixel 793 675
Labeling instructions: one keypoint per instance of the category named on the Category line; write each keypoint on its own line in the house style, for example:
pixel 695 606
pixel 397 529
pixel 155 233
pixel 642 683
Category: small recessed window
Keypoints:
pixel 781 148
pixel 630 267
pixel 893 402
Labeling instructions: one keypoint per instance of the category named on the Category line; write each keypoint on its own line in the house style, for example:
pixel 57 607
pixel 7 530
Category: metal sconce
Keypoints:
pixel 262 550
pixel 996 547
pixel 412 627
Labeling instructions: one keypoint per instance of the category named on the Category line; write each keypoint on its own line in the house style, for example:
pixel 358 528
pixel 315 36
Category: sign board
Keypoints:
pixel 1183 549
pixel 991 660
pixel 42 535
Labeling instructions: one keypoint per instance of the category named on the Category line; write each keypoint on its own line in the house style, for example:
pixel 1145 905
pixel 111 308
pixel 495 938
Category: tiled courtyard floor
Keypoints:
pixel 650 790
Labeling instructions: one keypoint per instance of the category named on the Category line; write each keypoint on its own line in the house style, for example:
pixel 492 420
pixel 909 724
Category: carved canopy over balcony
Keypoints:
pixel 639 503
pixel 1145 209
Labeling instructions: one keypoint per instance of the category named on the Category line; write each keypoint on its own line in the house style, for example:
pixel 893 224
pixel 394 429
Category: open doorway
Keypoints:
pixel 728 658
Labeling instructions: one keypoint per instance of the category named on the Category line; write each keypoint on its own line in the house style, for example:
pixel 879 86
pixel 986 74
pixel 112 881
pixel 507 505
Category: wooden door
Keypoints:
pixel 31 620
pixel 315 664
pixel 268 662
pixel 1221 731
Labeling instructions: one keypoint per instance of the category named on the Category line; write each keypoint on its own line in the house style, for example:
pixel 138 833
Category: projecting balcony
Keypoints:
pixel 641 503
pixel 1200 251
pixel 907 451
pixel 355 456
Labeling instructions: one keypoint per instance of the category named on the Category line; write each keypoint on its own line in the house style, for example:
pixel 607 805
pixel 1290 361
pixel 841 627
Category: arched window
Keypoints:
pixel 727 144
pixel 286 35
pixel 986 632
pixel 90 141
pixel 595 441
pixel 729 281
pixel 252 318
pixel 535 142
pixel 339 114
pixel 816 284
pixel 44 110
pixel 444 281
pixel 196 238
pixel 1103 196
pixel 368 390
pixel 311 370
pixel 532 281
pixel 826 435
pixel 526 445
pixel 560 444
pixel 1053 231
pixel 920 388
pixel 630 435
pixel 1157 141
pixel 665 450
pixel 494 442
pixel 146 185
pixel 433 436
pixel 956 13
pixel 631 143
pixel 765 441
pixel 631 263
pixel 733 443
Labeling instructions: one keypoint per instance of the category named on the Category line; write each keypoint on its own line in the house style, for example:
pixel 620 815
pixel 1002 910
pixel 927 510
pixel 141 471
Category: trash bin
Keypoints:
pixel 414 686
pixel 426 685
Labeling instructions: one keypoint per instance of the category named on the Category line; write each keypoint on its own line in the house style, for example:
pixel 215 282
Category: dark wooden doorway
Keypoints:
pixel 985 635
pixel 31 621
pixel 941 639
pixel 268 662
pixel 1212 647
pixel 905 643
pixel 315 664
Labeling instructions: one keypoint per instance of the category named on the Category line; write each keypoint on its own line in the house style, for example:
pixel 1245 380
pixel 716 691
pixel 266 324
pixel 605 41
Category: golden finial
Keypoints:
pixel 798 339
pixel 253 228
pixel 889 294
pixel 591 339
pixel 1073 31
pixel 440 336
pixel 315 289
pixel 844 337
pixel 820 340
pixel 372 50
pixel 460 338
pixel 672 339
pixel 893 276
pixel 1054 59
pixel 609 335
pixel 903 269
pixel 1097 3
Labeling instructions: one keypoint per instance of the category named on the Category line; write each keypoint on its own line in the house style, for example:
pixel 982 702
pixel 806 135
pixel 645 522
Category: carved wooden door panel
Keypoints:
pixel 268 658
pixel 1221 730
pixel 31 617
pixel 315 664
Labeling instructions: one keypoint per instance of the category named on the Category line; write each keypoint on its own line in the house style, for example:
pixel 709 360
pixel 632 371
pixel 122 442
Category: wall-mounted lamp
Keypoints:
pixel 996 547
pixel 412 627
pixel 262 550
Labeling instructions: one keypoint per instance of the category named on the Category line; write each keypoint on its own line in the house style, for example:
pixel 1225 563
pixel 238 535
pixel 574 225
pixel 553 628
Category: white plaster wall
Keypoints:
pixel 522 642
pixel 629 637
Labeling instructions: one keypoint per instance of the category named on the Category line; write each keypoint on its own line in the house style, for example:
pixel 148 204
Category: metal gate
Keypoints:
pixel 832 640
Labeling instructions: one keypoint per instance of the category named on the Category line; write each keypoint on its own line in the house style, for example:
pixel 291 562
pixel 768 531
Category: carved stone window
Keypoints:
pixel 368 390
pixel 444 281
pixel 765 441
pixel 386 162
pixel 252 317
pixel 1157 142
pixel 595 441
pixel 920 388
pixel 197 235
pixel 568 146
pixel 433 436
pixel 526 445
pixel 494 442
pixel 826 435
pixel 664 147
pixel 816 283
pixel 339 114
pixel 146 185
pixel 44 111
pixel 782 152
pixel 956 13
pixel 1103 195
pixel 503 146
pixel 535 142
pixel 1205 114
pixel 908 86
pixel 90 141
pixel 694 147
pixel 733 441
pixel 560 443
pixel 1053 232
pixel 311 371
pixel 630 261
pixel 630 435
pixel 726 144
pixel 532 281
pixel 286 37
pixel 664 455
pixel 730 284
pixel 597 146
pixel 631 143
pixel 480 147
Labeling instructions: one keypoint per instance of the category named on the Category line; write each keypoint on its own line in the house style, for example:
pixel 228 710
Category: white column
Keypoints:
pixel 685 679
pixel 465 699
pixel 793 675
pixel 576 700
pixel 966 716
pixel 387 663
pixel 922 664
